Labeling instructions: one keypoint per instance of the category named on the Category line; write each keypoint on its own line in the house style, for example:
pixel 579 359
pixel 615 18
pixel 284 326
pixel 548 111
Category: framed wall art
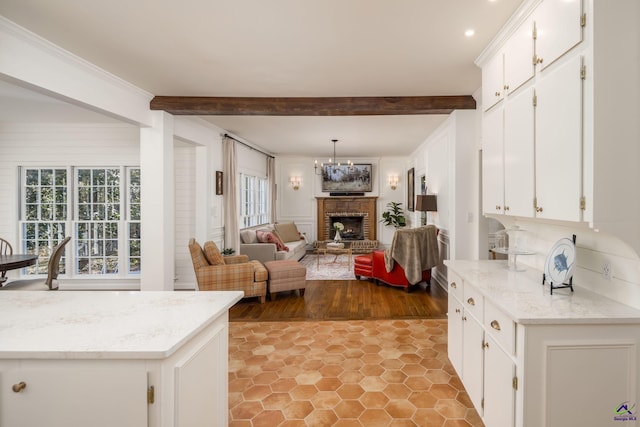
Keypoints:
pixel 423 191
pixel 345 179
pixel 218 183
pixel 411 193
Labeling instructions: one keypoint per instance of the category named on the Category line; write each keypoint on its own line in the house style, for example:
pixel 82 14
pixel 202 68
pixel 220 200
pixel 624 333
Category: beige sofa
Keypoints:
pixel 273 242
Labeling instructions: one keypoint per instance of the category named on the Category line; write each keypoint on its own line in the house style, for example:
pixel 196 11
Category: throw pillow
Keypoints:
pixel 213 254
pixel 268 237
pixel 248 236
pixel 288 232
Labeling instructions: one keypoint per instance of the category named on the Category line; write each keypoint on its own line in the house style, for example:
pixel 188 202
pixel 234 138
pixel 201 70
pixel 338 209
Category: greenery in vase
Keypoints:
pixel 394 215
pixel 228 251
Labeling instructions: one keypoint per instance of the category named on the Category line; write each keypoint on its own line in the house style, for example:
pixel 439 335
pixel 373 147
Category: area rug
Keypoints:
pixel 330 267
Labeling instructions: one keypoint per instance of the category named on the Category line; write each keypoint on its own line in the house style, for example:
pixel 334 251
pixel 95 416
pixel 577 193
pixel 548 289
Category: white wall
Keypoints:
pixel 58 145
pixel 450 163
pixel 593 250
pixel 300 205
pixel 185 213
pixel 101 144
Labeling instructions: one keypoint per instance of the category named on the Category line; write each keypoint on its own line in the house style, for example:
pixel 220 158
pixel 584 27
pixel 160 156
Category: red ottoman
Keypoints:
pixel 363 266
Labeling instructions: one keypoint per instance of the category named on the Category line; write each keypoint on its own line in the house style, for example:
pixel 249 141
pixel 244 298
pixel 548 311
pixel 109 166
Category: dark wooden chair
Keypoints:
pixel 53 268
pixel 5 249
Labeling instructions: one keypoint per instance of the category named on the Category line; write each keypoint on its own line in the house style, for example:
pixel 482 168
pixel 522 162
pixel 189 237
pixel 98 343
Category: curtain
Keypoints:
pixel 231 230
pixel 271 176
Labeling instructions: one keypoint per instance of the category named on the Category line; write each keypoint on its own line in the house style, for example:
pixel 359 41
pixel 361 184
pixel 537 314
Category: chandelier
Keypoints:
pixel 333 162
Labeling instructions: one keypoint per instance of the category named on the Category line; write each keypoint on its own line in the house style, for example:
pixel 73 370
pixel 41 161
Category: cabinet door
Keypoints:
pixel 519 155
pixel 454 334
pixel 492 161
pixel 559 143
pixel 201 384
pixel 499 394
pixel 518 57
pixel 74 394
pixel 472 359
pixel 492 82
pixel 558 28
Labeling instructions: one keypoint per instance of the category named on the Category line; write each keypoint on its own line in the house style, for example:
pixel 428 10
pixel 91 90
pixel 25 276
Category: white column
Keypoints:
pixel 157 204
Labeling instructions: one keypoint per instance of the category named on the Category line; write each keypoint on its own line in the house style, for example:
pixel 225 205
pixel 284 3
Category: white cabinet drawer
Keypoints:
pixel 500 327
pixel 455 285
pixel 473 302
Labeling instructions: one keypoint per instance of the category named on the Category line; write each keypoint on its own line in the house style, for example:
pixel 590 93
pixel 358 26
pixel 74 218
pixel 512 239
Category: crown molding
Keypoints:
pixel 44 45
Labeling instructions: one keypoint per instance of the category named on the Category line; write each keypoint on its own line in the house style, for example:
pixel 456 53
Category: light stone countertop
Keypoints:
pixel 522 296
pixel 105 324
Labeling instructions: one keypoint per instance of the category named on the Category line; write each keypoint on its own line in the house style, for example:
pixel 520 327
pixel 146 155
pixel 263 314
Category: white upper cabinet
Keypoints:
pixel 518 57
pixel 585 134
pixel 519 155
pixel 559 143
pixel 558 29
pixel 493 161
pixel 493 82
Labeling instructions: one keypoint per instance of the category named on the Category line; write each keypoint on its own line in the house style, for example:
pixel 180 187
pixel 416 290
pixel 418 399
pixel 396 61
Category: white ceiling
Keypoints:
pixel 277 48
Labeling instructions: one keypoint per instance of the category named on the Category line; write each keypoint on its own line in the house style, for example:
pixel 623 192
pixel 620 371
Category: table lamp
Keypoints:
pixel 426 203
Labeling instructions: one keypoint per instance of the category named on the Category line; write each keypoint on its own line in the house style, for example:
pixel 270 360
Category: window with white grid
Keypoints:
pixel 102 215
pixel 253 201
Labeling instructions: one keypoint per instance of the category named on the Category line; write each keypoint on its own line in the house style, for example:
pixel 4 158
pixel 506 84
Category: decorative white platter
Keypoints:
pixel 558 267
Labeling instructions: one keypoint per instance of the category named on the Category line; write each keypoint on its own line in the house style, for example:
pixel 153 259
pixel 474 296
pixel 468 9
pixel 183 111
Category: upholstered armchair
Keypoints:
pixel 231 273
pixel 409 260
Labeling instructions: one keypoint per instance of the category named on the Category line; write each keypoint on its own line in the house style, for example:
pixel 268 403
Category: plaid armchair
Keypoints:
pixel 231 273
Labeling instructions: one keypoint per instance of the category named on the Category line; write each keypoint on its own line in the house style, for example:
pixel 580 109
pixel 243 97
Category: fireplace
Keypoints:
pixel 353 225
pixel 357 214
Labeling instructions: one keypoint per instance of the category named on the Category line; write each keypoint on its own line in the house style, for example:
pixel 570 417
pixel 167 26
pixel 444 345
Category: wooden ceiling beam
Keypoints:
pixel 337 106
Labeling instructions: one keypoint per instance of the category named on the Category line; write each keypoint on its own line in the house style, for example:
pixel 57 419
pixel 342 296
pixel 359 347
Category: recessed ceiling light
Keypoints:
pixel 469 33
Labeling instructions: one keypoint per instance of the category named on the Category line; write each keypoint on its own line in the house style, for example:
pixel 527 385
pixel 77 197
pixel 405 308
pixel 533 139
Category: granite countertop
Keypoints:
pixel 105 324
pixel 522 296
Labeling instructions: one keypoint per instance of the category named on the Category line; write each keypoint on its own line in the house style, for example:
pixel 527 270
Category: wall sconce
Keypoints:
pixel 295 182
pixel 393 181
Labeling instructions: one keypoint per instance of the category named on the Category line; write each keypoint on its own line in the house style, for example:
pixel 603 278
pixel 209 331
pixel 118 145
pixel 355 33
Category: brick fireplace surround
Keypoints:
pixel 345 206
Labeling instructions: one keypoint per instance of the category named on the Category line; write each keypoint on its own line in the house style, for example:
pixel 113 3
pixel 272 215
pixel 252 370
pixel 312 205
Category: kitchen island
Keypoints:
pixel 114 358
pixel 529 358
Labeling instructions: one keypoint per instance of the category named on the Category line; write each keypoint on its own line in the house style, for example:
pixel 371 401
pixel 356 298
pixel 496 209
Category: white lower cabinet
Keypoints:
pixel 485 370
pixel 472 359
pixel 64 393
pixel 566 360
pixel 499 393
pixel 186 389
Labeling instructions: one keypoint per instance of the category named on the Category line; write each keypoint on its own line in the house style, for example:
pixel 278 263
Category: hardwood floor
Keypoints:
pixel 346 300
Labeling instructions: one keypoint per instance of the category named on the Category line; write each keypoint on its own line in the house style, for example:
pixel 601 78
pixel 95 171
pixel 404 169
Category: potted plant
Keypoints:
pixel 228 251
pixel 394 215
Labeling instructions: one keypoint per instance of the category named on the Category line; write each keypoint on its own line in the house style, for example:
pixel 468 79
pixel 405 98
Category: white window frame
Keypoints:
pixel 254 200
pixel 69 268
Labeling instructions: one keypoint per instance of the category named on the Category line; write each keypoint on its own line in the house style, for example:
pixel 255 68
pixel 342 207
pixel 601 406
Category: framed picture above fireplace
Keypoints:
pixel 345 179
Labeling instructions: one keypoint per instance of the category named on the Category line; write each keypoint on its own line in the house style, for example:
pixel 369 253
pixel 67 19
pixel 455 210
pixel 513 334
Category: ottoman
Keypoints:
pixel 363 266
pixel 285 275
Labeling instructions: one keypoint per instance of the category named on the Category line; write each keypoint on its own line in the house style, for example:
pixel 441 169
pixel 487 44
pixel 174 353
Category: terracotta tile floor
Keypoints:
pixel 344 373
